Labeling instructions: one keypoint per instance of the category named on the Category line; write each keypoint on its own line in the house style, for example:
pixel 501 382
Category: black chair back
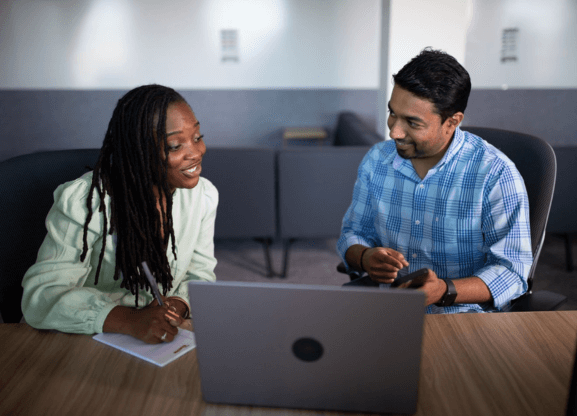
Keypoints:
pixel 27 184
pixel 535 160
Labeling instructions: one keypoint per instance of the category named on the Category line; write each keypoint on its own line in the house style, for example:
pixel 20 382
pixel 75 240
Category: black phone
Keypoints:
pixel 400 280
pixel 367 281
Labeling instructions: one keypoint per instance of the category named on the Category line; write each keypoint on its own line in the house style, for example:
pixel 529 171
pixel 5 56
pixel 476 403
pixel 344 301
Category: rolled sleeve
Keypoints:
pixel 507 233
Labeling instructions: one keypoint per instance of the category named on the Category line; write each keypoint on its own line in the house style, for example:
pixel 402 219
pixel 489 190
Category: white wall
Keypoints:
pixel 416 24
pixel 102 44
pixel 546 44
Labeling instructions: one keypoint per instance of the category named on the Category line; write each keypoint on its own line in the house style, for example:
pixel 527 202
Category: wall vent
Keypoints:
pixel 229 45
pixel 509 45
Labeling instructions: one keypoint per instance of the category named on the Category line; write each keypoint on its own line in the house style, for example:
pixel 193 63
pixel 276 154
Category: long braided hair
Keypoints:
pixel 131 170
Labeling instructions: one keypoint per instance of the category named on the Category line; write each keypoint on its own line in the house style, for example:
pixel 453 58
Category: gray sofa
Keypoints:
pixel 315 185
pixel 352 131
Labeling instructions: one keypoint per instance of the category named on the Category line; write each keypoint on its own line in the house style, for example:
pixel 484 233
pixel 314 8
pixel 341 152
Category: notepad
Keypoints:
pixel 159 354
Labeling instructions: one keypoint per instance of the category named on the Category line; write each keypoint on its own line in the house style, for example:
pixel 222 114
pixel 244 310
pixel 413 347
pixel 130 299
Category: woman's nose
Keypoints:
pixel 195 151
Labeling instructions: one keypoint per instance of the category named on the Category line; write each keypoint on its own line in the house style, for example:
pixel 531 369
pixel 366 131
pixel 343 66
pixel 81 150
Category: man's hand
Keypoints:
pixel 382 264
pixel 429 283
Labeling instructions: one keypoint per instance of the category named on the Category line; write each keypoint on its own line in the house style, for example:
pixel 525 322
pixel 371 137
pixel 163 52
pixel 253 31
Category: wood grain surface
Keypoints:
pixel 472 364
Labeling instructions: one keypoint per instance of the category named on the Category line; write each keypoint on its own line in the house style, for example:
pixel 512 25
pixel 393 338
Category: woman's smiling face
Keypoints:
pixel 185 147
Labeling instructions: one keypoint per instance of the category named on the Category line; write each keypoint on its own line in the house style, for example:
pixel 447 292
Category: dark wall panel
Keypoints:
pixel 550 114
pixel 33 120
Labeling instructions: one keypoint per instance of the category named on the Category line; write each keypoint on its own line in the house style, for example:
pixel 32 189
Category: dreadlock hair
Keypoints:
pixel 132 165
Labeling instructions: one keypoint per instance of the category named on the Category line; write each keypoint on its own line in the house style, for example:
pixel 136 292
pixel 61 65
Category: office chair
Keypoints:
pixel 535 160
pixel 27 184
pixel 562 218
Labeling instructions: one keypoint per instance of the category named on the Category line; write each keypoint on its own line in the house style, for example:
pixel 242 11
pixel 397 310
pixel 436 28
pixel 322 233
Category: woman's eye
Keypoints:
pixel 173 147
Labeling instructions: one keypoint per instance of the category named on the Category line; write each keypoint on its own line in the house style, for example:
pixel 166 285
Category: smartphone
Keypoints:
pixel 400 280
pixel 367 281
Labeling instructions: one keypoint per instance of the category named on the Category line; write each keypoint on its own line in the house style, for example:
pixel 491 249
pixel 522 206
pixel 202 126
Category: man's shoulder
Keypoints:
pixel 480 148
pixel 382 152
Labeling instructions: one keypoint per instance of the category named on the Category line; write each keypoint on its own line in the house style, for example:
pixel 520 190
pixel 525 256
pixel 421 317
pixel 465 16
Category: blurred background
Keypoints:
pixel 251 68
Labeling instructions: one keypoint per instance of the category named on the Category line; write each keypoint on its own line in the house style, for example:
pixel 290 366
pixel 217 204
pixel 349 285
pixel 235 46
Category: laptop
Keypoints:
pixel 338 348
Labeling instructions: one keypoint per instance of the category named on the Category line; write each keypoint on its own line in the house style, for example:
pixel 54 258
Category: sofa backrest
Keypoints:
pixel 246 182
pixel 316 189
pixel 352 131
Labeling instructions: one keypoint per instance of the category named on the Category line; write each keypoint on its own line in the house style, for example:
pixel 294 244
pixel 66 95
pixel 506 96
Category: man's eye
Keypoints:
pixel 199 138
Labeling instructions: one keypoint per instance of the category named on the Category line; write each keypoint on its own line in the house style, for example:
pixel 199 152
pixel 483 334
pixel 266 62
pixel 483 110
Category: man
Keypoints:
pixel 440 198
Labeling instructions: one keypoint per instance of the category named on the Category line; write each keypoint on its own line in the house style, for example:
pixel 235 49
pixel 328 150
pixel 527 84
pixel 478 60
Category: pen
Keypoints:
pixel 152 282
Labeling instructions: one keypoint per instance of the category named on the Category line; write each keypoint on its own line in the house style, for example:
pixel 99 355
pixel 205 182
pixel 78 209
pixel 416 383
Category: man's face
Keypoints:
pixel 417 128
pixel 185 146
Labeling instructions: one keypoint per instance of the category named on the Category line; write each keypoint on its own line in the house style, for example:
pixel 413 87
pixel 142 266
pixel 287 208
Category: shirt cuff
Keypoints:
pixel 503 284
pixel 345 243
pixel 101 317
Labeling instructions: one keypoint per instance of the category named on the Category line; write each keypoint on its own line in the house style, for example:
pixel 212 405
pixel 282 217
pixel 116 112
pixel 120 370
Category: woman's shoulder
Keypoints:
pixel 207 187
pixel 204 191
pixel 73 191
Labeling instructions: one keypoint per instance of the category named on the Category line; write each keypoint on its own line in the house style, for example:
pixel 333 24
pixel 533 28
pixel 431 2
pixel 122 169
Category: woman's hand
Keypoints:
pixel 174 304
pixel 152 324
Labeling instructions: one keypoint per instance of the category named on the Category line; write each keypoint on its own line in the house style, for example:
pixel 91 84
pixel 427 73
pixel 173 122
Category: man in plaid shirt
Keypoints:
pixel 439 198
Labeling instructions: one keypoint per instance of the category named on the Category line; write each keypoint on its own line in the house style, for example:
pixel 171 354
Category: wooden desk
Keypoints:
pixel 473 364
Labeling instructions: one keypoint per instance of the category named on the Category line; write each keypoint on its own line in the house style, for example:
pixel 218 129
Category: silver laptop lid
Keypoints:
pixel 311 347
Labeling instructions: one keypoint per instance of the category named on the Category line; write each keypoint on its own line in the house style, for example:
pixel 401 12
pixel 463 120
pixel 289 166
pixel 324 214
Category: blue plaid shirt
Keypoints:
pixel 468 217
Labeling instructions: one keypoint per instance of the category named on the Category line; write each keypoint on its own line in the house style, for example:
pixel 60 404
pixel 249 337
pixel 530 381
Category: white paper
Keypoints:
pixel 159 354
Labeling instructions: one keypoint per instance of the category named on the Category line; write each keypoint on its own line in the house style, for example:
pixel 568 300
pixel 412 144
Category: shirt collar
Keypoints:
pixel 454 147
pixel 405 166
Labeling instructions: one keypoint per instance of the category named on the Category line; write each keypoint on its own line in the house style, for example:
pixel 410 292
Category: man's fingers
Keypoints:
pixel 391 257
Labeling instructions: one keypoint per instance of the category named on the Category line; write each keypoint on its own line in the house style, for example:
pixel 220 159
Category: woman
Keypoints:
pixel 144 202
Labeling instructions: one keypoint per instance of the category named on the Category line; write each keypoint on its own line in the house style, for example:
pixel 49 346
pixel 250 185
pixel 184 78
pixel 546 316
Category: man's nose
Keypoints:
pixel 396 131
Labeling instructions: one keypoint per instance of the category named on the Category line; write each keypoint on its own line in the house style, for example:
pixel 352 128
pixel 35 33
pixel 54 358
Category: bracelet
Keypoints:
pixel 187 311
pixel 361 259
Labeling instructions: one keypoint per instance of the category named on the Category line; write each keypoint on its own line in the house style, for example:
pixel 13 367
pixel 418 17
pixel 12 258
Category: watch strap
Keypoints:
pixel 450 294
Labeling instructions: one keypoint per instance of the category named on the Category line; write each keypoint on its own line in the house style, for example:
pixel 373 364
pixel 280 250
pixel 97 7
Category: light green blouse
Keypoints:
pixel 59 290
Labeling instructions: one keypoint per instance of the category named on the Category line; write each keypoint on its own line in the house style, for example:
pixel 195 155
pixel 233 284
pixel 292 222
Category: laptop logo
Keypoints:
pixel 307 349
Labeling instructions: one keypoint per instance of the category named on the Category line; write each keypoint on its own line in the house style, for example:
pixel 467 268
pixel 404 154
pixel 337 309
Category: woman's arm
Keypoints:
pixel 58 293
pixel 196 246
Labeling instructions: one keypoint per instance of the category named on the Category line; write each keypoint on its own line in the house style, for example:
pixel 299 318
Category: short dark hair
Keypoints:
pixel 438 77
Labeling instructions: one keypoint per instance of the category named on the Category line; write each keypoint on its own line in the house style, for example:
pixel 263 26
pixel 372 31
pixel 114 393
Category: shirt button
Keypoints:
pixel 414 255
pixel 421 186
pixel 417 222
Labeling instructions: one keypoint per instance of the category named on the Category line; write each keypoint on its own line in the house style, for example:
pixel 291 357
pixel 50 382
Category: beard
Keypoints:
pixel 408 152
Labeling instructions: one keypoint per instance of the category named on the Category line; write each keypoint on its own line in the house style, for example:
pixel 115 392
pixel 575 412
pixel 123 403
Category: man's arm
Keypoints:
pixel 469 289
pixel 507 235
